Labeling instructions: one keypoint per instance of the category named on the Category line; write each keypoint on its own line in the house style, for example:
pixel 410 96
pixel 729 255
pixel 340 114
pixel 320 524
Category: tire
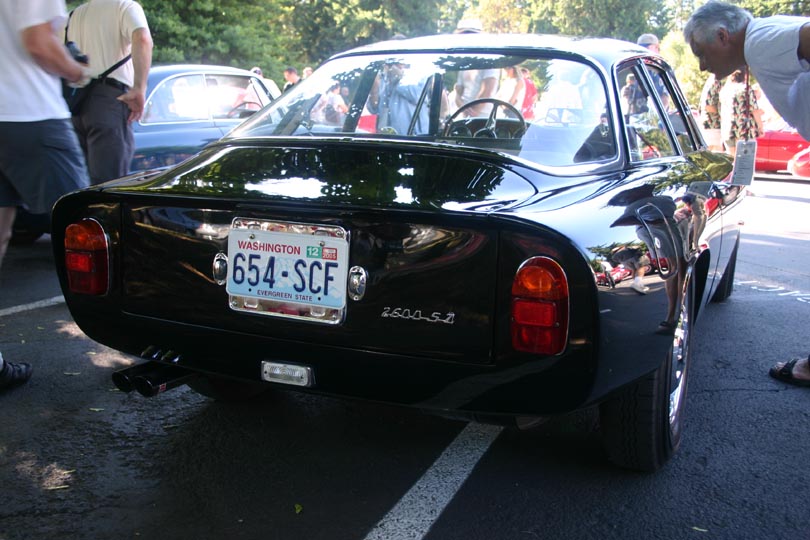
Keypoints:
pixel 726 285
pixel 226 390
pixel 642 424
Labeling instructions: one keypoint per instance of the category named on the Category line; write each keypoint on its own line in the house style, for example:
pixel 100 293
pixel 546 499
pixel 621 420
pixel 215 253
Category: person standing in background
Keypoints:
pixel 40 157
pixel 512 88
pixel 530 97
pixel 292 78
pixel 651 43
pixel 107 31
pixel 710 113
pixel 740 115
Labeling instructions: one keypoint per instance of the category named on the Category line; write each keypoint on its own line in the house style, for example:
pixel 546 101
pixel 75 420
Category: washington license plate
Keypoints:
pixel 288 269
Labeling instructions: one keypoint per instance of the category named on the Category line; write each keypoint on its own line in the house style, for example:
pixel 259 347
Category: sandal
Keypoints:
pixel 13 374
pixel 785 374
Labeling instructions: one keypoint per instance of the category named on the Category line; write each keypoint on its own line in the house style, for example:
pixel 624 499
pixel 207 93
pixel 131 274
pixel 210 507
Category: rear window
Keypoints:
pixel 552 111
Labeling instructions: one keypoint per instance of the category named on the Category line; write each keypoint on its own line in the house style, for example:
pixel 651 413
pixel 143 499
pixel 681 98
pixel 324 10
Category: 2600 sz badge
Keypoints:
pixel 288 269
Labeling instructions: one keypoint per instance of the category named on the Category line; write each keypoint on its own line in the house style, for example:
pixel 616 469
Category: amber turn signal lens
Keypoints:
pixel 540 278
pixel 539 308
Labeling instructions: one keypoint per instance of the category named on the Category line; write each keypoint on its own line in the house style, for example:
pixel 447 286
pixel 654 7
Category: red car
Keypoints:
pixel 776 147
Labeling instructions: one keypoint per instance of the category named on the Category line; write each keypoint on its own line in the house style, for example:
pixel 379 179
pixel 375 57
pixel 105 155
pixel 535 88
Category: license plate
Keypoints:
pixel 287 269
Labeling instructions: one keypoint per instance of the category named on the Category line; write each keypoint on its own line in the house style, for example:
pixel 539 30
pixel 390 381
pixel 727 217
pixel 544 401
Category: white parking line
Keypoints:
pixel 34 305
pixel 416 512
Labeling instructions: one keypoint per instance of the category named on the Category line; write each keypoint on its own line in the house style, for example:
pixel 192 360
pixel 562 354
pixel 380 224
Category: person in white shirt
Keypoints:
pixel 107 31
pixel 40 158
pixel 725 38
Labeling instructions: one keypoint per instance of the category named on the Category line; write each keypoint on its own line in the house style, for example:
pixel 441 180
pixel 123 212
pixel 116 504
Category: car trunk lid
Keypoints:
pixel 416 227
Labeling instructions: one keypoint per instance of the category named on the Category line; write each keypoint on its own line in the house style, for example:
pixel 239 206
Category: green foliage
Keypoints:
pixel 685 64
pixel 276 33
pixel 764 8
pixel 228 32
pixel 621 19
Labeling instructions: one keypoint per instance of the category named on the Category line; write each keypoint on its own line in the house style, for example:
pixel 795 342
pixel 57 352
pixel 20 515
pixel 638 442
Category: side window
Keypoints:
pixel 232 96
pixel 677 118
pixel 178 99
pixel 645 128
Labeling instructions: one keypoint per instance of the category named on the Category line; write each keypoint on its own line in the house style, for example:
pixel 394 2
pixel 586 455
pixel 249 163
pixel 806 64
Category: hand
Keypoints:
pixel 83 80
pixel 135 101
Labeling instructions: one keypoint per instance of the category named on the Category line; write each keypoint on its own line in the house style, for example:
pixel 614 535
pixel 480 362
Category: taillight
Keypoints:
pixel 539 313
pixel 87 258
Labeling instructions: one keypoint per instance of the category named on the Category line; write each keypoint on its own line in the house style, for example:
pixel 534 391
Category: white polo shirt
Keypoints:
pixel 27 92
pixel 103 31
pixel 771 51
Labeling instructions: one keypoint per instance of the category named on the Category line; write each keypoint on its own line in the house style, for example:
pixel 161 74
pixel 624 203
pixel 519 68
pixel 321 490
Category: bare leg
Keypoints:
pixel 7 214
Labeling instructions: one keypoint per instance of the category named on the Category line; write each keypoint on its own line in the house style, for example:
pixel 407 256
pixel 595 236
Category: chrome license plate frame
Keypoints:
pixel 288 269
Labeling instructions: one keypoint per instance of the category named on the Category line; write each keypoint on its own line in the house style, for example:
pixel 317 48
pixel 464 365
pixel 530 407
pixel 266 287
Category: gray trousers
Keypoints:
pixel 104 134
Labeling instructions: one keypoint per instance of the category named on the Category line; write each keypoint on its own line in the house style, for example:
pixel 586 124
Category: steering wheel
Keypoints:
pixel 244 107
pixel 488 131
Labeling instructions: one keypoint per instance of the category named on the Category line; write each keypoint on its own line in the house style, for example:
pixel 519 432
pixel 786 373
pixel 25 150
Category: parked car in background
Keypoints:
pixel 375 234
pixel 187 106
pixel 776 147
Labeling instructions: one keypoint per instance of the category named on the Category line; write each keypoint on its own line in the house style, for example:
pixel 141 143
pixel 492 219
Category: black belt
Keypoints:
pixel 115 84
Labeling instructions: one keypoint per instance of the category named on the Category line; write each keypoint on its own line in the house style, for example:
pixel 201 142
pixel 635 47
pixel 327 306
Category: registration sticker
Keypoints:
pixel 287 269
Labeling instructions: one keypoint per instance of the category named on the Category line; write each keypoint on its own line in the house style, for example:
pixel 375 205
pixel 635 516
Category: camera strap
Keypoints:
pixel 103 75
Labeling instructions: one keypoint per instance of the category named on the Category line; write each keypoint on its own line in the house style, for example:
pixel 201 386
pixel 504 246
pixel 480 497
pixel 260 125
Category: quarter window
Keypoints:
pixel 663 87
pixel 645 127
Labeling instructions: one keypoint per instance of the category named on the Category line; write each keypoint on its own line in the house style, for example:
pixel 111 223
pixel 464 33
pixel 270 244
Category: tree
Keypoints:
pixel 621 19
pixel 685 64
pixel 504 17
pixel 228 32
pixel 764 8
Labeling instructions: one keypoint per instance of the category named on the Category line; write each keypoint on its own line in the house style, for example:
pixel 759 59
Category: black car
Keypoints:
pixel 378 233
pixel 187 106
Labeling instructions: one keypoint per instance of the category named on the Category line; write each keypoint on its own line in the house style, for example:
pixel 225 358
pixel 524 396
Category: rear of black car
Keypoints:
pixel 452 301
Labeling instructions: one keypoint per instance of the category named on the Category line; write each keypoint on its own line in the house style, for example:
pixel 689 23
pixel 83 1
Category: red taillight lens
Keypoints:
pixel 87 258
pixel 539 311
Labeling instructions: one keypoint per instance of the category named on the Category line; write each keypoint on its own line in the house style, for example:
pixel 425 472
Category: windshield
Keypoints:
pixel 551 111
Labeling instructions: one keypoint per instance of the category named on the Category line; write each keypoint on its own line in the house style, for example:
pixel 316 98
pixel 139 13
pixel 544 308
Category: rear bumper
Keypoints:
pixel 542 386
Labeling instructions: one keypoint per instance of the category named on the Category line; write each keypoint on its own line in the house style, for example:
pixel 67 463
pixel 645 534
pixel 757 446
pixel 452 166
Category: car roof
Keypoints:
pixel 158 73
pixel 173 69
pixel 604 51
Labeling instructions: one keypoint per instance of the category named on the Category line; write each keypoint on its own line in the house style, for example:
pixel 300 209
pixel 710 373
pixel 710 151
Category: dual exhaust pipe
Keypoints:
pixel 151 378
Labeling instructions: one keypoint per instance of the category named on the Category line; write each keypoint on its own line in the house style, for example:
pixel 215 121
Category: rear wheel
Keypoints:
pixel 726 285
pixel 641 426
pixel 222 389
